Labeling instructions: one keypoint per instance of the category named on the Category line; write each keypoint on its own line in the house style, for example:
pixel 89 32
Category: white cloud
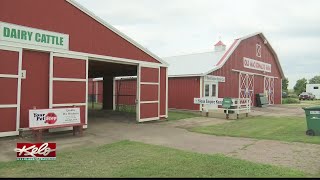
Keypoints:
pixel 171 27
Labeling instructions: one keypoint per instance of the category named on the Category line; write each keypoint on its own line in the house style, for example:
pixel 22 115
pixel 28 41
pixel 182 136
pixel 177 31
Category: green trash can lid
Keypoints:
pixel 312 108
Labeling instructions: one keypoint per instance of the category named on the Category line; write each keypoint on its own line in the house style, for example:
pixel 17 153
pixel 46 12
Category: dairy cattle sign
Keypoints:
pixel 256 65
pixel 16 34
pixel 53 117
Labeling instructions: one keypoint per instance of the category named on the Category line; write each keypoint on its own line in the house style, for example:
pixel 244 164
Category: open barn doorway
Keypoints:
pixel 108 97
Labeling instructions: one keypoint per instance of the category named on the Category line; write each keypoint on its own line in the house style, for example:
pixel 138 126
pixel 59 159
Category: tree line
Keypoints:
pixel 300 85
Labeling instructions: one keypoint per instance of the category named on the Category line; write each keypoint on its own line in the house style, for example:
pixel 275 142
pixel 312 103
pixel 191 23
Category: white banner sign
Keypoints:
pixel 11 33
pixel 256 65
pixel 214 78
pixel 53 117
pixel 208 100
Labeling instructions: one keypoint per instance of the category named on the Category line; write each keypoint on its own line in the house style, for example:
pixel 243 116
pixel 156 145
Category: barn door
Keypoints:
pixel 69 83
pixel 148 93
pixel 269 89
pixel 211 90
pixel 246 86
pixel 10 86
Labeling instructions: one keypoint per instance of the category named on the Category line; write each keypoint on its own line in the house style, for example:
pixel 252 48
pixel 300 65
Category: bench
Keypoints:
pixel 38 131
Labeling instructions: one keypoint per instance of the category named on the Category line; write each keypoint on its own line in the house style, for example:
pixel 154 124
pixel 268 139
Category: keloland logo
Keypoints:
pixel 36 151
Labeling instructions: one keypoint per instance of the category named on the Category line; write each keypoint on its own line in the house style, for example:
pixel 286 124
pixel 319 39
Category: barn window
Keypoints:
pixel 258 50
pixel 206 90
pixel 213 90
pixel 316 87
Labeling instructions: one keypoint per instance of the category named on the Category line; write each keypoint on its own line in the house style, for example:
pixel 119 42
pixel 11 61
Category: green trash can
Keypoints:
pixel 227 104
pixel 313 120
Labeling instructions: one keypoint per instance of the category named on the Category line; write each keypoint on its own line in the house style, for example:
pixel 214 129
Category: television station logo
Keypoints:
pixel 36 151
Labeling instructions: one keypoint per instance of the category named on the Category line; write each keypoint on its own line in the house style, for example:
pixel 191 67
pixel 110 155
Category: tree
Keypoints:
pixel 300 86
pixel 285 83
pixel 315 80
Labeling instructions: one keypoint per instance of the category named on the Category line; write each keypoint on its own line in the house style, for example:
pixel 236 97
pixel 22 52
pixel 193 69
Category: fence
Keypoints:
pixel 125 95
pixel 240 105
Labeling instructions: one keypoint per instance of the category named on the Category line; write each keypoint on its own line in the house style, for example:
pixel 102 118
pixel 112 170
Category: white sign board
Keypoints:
pixel 256 65
pixel 15 34
pixel 208 100
pixel 214 78
pixel 53 117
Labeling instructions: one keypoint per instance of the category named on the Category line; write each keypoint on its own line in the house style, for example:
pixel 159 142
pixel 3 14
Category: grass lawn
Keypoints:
pixel 290 129
pixel 94 105
pixel 132 159
pixel 305 103
pixel 175 115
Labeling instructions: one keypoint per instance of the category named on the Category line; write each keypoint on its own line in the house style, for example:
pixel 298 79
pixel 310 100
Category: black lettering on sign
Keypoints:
pixel 39 117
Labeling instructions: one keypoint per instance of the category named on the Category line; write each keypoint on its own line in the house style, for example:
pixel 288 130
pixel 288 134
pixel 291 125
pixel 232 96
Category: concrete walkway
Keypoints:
pixel 299 156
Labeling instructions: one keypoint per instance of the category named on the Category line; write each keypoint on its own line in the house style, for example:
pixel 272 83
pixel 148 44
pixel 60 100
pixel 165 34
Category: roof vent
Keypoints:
pixel 219 46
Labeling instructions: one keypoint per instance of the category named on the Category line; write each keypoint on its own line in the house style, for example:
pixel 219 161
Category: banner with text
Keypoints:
pixel 11 33
pixel 214 78
pixel 208 100
pixel 256 65
pixel 53 117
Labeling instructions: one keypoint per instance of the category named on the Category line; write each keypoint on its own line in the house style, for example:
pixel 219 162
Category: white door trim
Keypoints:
pixel 246 86
pixel 52 79
pixel 149 102
pixel 18 77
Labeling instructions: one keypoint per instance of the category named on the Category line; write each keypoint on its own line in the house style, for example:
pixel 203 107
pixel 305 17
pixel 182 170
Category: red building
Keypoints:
pixel 95 90
pixel 248 67
pixel 49 50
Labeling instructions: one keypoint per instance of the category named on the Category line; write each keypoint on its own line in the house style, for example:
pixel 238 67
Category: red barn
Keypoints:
pixel 248 67
pixel 49 50
pixel 95 90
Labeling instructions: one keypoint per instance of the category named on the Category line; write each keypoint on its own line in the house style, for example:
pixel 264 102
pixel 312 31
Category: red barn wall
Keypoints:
pixel 85 34
pixel 182 91
pixel 127 91
pixel 35 88
pixel 100 91
pixel 129 87
pixel 92 89
pixel 163 91
pixel 9 62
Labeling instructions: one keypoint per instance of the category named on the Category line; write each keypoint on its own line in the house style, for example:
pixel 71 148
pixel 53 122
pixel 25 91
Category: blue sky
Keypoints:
pixel 174 27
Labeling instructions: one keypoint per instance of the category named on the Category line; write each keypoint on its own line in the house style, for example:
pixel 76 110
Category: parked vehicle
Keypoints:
pixel 314 89
pixel 306 96
pixel 284 94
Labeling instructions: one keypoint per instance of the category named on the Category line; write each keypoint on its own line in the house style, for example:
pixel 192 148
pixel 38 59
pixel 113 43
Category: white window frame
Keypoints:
pixel 210 89
pixel 258 50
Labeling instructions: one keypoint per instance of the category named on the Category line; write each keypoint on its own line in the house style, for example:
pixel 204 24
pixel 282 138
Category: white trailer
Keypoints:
pixel 314 89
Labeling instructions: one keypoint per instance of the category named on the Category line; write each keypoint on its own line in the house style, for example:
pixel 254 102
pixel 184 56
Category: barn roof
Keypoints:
pixel 193 64
pixel 201 64
pixel 107 25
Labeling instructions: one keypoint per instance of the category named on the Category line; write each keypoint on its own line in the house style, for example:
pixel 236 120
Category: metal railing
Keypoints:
pixel 239 106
